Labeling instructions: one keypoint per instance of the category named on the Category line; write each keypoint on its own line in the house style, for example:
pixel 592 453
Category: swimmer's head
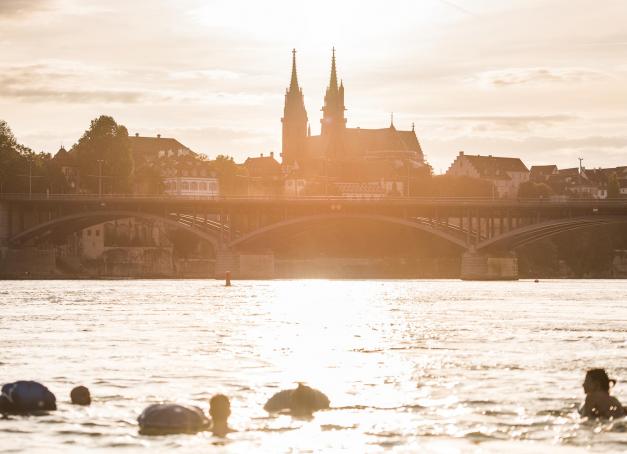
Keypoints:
pixel 303 401
pixel 80 396
pixel 219 408
pixel 597 380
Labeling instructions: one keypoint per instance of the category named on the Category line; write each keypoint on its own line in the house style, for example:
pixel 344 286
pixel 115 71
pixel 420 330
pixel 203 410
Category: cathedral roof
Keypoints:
pixel 358 142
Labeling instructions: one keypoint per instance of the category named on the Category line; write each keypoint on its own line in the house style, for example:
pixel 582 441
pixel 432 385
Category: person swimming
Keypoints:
pixel 80 396
pixel 599 403
pixel 166 419
pixel 26 397
pixel 220 410
pixel 301 402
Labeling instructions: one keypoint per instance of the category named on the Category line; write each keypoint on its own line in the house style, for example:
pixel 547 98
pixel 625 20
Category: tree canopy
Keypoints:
pixel 18 161
pixel 531 190
pixel 108 142
pixel 613 186
pixel 229 175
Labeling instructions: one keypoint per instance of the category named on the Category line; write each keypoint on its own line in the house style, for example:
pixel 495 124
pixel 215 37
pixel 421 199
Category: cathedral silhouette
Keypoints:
pixel 346 154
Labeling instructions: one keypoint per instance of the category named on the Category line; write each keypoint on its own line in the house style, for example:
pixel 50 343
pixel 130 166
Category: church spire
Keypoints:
pixel 294 80
pixel 333 121
pixel 294 120
pixel 333 81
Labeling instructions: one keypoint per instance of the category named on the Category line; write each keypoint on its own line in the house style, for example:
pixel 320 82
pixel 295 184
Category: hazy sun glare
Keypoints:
pixel 355 27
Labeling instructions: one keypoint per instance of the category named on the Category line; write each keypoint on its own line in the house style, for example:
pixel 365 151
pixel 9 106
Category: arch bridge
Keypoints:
pixel 483 229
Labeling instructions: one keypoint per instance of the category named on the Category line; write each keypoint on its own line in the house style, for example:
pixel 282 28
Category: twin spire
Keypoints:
pixel 332 82
pixel 334 97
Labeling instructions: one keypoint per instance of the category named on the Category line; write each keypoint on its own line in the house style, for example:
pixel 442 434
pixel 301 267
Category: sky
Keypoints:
pixel 543 80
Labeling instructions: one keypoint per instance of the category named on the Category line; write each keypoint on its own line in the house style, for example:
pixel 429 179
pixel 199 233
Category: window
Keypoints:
pixel 97 232
pixel 88 232
pixel 185 186
pixel 194 186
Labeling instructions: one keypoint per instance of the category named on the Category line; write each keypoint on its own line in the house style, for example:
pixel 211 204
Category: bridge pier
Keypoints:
pixel 226 260
pixel 244 266
pixel 477 266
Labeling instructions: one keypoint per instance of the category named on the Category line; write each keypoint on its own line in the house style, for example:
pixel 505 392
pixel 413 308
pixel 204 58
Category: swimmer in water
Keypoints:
pixel 599 403
pixel 301 402
pixel 166 419
pixel 80 396
pixel 26 397
pixel 220 410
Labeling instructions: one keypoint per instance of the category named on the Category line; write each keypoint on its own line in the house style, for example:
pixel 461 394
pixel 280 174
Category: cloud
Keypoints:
pixel 537 76
pixel 9 8
pixel 515 122
pixel 72 96
pixel 57 82
pixel 205 74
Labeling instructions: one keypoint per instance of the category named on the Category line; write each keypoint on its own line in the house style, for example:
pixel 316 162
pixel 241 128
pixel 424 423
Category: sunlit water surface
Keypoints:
pixel 430 366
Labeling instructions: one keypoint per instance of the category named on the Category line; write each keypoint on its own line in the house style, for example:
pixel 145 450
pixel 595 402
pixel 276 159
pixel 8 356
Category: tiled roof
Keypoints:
pixel 65 158
pixel 358 142
pixel 153 145
pixel 263 166
pixel 495 166
pixel 543 171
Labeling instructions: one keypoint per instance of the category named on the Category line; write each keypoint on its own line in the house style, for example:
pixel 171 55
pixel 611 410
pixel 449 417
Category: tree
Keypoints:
pixel 15 161
pixel 11 160
pixel 108 142
pixel 147 179
pixel 613 187
pixel 229 175
pixel 531 190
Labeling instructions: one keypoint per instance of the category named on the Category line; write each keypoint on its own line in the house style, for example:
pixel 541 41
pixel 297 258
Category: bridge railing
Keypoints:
pixel 279 198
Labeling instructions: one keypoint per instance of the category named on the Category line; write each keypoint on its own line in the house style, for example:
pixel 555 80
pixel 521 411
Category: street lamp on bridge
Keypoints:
pixel 100 162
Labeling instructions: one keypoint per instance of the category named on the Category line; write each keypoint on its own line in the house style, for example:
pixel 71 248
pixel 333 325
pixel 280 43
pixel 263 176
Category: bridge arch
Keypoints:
pixel 535 232
pixel 305 221
pixel 79 221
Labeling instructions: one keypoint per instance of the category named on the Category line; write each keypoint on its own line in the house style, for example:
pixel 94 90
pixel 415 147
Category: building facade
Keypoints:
pixel 505 174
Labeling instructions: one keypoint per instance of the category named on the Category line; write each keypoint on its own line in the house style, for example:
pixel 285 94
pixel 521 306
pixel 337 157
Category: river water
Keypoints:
pixel 429 366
